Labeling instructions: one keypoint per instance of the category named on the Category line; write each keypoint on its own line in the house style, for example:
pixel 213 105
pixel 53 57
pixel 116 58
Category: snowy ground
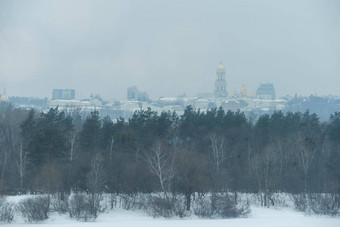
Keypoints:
pixel 261 217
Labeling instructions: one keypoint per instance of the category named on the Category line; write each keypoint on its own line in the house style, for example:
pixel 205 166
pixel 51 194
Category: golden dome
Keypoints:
pixel 243 90
pixel 220 66
pixel 4 97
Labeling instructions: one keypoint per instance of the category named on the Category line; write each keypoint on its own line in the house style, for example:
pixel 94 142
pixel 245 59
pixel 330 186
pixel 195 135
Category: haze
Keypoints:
pixel 168 47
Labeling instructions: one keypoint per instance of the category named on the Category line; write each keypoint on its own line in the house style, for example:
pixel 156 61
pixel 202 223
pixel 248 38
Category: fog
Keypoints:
pixel 168 47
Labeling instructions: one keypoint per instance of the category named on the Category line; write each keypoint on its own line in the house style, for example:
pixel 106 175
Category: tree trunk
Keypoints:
pixel 188 201
pixel 305 183
pixel 235 197
pixel 338 196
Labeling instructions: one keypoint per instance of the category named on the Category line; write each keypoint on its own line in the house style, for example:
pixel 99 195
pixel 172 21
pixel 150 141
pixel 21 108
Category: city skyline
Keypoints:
pixel 168 48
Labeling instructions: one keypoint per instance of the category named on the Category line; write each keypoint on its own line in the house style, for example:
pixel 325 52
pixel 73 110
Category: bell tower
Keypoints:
pixel 4 97
pixel 220 84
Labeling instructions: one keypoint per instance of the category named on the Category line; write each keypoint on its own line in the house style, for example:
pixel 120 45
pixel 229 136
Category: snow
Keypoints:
pixel 259 217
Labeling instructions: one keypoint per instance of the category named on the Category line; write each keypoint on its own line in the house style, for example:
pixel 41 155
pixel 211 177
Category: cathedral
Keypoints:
pixel 220 84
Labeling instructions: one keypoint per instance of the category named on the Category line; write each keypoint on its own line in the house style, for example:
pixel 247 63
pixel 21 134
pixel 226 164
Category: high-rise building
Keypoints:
pixel 63 94
pixel 220 84
pixel 266 91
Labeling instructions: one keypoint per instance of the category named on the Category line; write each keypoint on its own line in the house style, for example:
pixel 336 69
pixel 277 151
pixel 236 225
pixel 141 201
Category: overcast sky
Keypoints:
pixel 167 48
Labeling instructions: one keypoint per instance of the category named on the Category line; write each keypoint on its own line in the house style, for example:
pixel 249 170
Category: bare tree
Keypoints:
pixel 95 182
pixel 305 152
pixel 279 144
pixel 73 137
pixel 21 165
pixel 264 166
pixel 10 120
pixel 6 145
pixel 111 148
pixel 271 155
pixel 161 165
pixel 219 152
pixel 96 177
pixel 250 151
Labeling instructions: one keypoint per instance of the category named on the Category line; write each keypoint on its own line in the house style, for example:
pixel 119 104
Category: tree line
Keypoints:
pixel 196 152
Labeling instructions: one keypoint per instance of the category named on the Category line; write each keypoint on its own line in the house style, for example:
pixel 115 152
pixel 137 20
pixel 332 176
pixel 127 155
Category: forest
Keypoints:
pixel 212 151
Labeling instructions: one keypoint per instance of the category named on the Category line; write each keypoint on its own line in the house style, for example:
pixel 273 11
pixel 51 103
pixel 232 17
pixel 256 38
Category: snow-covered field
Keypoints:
pixel 261 217
pixel 284 216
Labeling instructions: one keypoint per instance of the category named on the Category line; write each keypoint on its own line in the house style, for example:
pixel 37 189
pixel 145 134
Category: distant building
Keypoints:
pixel 63 94
pixel 220 84
pixel 202 104
pixel 169 101
pixel 243 94
pixel 233 105
pixel 266 91
pixel 205 95
pixel 4 97
pixel 134 95
pixel 96 100
pixel 131 106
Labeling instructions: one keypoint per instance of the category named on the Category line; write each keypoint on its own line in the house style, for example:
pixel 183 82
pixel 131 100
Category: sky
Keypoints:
pixel 168 48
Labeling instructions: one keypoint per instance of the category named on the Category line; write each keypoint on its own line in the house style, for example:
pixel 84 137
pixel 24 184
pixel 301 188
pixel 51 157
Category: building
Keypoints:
pixel 134 95
pixel 266 91
pixel 220 83
pixel 4 97
pixel 63 94
pixel 243 94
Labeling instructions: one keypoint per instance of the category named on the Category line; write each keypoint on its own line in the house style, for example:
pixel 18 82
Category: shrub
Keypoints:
pixel 59 203
pixel 279 200
pixel 6 211
pixel 179 208
pixel 220 206
pixel 225 207
pixel 35 208
pixel 113 200
pixel 325 204
pixel 160 207
pixel 202 208
pixel 300 202
pixel 84 207
pixel 133 201
pixel 166 207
